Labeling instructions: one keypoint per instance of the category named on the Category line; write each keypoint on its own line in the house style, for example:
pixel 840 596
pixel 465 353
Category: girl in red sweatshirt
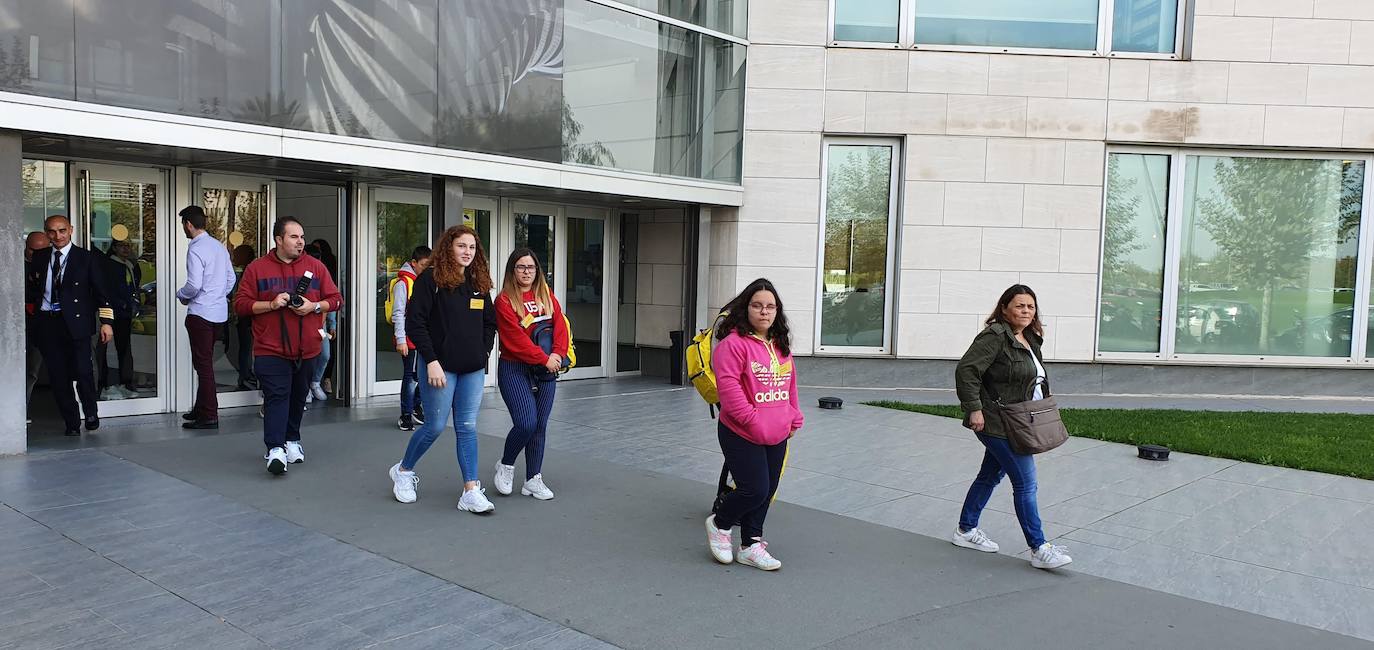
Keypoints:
pixel 759 412
pixel 527 372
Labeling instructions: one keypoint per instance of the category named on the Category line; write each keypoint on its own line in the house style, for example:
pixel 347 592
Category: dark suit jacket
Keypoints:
pixel 85 303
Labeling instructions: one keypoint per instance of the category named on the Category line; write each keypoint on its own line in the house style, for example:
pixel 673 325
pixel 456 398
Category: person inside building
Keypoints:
pixel 209 279
pixel 124 277
pixel 243 325
pixel 324 362
pixel 759 412
pixel 452 321
pixel 65 296
pixel 287 293
pixel 527 373
pixel 331 262
pixel 33 361
pixel 412 407
pixel 1001 366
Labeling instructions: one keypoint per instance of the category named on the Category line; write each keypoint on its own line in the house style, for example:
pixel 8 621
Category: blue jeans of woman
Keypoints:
pixel 322 361
pixel 460 397
pixel 529 402
pixel 999 460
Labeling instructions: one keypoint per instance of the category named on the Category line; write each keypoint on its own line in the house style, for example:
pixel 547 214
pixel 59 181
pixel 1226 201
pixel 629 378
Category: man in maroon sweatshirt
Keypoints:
pixel 286 334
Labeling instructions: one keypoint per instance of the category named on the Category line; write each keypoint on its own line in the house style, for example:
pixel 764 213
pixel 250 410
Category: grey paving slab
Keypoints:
pixel 622 559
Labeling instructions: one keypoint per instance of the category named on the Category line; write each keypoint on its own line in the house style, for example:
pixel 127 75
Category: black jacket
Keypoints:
pixel 85 303
pixel 457 327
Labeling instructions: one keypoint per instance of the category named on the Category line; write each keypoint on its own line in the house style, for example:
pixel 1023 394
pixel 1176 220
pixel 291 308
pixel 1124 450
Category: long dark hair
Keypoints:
pixel 542 294
pixel 1007 296
pixel 737 317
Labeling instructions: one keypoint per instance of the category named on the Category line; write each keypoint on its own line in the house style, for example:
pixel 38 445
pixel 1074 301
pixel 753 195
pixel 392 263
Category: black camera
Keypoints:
pixel 298 296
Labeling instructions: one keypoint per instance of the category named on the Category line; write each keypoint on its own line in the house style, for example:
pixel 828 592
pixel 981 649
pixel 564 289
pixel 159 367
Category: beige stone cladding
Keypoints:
pixel 1004 153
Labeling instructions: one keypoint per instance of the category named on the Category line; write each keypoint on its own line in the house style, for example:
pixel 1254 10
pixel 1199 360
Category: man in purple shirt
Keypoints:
pixel 209 279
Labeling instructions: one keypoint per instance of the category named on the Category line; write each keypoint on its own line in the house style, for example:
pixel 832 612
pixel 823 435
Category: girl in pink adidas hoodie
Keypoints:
pixel 757 384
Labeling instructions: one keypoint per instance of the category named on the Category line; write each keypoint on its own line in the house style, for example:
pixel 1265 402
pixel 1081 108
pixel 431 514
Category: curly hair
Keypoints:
pixel 449 274
pixel 737 317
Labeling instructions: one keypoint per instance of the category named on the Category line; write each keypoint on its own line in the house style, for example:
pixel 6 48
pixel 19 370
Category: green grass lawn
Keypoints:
pixel 1335 443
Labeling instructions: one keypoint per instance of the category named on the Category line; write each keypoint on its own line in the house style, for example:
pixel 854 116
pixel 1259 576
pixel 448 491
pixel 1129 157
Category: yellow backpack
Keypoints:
pixel 389 305
pixel 699 370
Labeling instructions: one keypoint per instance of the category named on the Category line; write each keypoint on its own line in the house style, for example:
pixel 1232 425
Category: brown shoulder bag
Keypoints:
pixel 1033 426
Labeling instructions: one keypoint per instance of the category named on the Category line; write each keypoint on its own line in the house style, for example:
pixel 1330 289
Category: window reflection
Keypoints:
pixel 1268 258
pixel 858 210
pixel 1133 253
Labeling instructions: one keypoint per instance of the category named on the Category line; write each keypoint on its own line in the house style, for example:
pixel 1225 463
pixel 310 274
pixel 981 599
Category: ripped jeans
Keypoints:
pixel 461 396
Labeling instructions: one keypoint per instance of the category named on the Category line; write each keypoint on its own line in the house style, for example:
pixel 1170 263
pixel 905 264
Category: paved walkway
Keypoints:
pixel 176 548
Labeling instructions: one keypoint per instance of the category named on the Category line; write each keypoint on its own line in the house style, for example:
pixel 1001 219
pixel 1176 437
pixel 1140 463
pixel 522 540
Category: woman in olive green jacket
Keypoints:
pixel 1004 366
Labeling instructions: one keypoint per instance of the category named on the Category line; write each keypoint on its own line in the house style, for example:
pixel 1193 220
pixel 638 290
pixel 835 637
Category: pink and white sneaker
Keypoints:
pixel 756 555
pixel 719 542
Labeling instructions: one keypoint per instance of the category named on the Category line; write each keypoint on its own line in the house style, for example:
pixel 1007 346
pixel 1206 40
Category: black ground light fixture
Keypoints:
pixel 1152 452
pixel 833 403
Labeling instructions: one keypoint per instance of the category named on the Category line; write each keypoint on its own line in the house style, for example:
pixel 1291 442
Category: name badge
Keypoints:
pixel 476 303
pixel 527 321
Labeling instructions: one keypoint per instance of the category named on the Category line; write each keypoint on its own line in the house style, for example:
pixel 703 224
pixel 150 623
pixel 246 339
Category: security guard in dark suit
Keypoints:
pixel 67 304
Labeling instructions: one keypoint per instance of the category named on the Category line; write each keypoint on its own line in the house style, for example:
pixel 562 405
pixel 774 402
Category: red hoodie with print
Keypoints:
pixel 516 344
pixel 281 333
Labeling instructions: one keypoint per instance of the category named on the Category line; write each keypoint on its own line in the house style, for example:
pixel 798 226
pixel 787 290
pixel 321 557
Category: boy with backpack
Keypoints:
pixel 398 294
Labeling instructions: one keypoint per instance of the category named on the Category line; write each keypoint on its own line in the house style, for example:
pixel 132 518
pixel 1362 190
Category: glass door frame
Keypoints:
pixel 366 249
pixel 199 181
pixel 169 252
pixel 610 237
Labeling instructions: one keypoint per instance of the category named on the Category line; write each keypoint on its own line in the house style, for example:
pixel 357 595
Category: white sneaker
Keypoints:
pixel 309 397
pixel 294 453
pixel 1049 556
pixel 317 392
pixel 403 484
pixel 535 488
pixel 475 500
pixel 975 539
pixel 505 478
pixel 276 461
pixel 756 555
pixel 719 542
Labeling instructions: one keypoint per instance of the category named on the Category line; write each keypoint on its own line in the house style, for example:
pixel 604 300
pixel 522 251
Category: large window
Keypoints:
pixel 44 185
pixel 856 244
pixel 1138 27
pixel 1258 257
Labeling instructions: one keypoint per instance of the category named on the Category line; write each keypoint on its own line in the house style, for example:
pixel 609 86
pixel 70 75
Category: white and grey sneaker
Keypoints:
pixel 294 452
pixel 975 539
pixel 535 488
pixel 475 500
pixel 722 549
pixel 1049 556
pixel 276 461
pixel 756 555
pixel 317 392
pixel 505 478
pixel 403 484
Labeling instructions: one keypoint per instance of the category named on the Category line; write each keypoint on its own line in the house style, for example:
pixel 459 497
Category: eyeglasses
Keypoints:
pixel 762 308
pixel 525 268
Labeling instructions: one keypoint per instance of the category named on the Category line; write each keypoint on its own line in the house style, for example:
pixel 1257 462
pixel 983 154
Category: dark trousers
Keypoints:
pixel 123 330
pixel 202 334
pixel 756 470
pixel 244 326
pixel 285 383
pixel 68 360
pixel 529 402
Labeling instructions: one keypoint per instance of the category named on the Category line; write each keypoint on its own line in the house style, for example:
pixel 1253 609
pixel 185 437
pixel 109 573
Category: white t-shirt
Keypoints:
pixel 1039 377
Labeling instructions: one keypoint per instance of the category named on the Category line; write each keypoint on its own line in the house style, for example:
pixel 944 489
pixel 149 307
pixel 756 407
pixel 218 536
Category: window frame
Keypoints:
pixel 1173 234
pixel 894 198
pixel 906 39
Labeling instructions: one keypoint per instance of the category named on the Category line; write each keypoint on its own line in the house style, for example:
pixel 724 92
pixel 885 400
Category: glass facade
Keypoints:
pixel 867 21
pixel 644 95
pixel 1144 25
pixel 554 80
pixel 1133 253
pixel 1064 25
pixel 1264 258
pixel 858 253
pixel 44 187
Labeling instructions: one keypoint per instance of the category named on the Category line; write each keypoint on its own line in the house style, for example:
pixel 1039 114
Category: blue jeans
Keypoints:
pixel 999 459
pixel 325 352
pixel 411 397
pixel 529 402
pixel 462 397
